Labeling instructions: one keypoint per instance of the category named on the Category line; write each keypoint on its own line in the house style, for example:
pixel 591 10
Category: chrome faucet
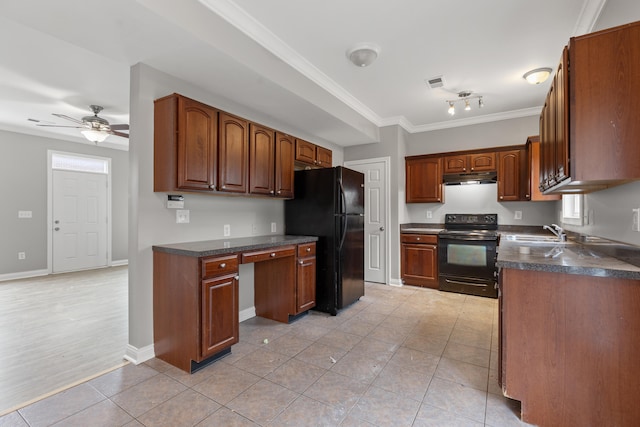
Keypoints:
pixel 557 231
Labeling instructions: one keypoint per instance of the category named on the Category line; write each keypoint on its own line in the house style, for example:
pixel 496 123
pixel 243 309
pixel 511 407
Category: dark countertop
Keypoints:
pixel 581 254
pixel 229 246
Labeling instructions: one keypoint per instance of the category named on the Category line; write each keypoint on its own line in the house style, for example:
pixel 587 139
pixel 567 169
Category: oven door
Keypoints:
pixel 467 264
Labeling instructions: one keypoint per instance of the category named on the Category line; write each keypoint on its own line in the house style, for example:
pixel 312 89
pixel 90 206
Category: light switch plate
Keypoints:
pixel 227 230
pixel 182 216
pixel 518 215
pixel 273 227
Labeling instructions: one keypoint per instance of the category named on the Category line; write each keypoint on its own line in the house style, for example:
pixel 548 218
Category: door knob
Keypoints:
pixel 57 228
pixel 381 228
pixel 56 222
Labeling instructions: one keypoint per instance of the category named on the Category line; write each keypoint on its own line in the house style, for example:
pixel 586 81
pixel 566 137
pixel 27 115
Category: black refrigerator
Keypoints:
pixel 329 203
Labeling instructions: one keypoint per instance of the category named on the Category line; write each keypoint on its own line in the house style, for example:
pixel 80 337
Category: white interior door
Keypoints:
pixel 79 220
pixel 375 215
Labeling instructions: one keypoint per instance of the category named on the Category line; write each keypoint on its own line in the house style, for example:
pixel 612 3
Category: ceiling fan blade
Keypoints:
pixel 124 135
pixel 63 126
pixel 119 127
pixel 62 116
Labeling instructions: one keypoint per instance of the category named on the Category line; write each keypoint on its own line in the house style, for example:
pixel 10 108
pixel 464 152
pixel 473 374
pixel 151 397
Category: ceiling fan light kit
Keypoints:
pixel 96 129
pixel 363 54
pixel 537 76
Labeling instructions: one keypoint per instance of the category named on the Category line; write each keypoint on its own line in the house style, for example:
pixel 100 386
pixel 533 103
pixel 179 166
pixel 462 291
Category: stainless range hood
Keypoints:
pixel 470 178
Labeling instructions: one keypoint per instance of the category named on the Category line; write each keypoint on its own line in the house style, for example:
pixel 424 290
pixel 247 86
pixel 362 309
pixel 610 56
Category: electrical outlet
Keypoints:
pixel 227 230
pixel 635 226
pixel 518 215
pixel 182 216
pixel 429 214
pixel 25 214
pixel 273 227
pixel 22 255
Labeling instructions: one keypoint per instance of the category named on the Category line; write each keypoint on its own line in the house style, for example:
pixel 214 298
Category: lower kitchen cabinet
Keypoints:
pixel 196 302
pixel 306 278
pixel 419 260
pixel 569 347
pixel 219 314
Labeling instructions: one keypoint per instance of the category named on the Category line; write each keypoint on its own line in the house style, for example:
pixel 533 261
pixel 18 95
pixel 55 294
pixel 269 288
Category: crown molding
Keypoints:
pixel 487 118
pixel 589 14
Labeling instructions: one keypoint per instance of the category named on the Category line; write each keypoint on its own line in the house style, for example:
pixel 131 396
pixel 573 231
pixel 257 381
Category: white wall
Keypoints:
pixel 151 223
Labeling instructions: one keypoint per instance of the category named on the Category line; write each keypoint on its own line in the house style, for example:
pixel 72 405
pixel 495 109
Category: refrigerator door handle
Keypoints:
pixel 344 218
pixel 343 199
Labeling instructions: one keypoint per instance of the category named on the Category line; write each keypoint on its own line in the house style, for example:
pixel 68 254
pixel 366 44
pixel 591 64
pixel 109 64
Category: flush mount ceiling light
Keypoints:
pixel 537 76
pixel 464 96
pixel 363 54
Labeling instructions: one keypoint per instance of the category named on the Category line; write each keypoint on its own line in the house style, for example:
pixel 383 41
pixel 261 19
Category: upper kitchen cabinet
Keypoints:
pixel 285 151
pixel 261 160
pixel 310 154
pixel 270 162
pixel 185 145
pixel 233 160
pixel 594 93
pixel 533 151
pixel 424 179
pixel 466 163
pixel 513 175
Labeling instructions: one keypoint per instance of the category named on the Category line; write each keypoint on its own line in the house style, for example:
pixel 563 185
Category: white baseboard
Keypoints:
pixel 395 282
pixel 139 355
pixel 23 275
pixel 247 313
pixel 119 262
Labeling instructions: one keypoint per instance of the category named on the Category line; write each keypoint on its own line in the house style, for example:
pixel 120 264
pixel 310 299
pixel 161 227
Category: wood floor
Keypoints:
pixel 58 330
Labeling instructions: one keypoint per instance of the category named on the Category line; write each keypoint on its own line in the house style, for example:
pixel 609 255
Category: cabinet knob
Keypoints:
pixel 223 187
pixel 272 254
pixel 301 262
pixel 471 168
pixel 417 238
pixel 279 191
pixel 308 249
pixel 501 197
pixel 237 277
pixel 223 265
pixel 271 192
pixel 212 186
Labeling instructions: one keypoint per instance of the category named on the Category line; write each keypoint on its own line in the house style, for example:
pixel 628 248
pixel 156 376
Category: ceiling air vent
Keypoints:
pixel 435 82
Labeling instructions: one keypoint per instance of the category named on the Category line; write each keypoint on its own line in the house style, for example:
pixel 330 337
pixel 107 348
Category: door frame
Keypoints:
pixel 387 209
pixel 50 154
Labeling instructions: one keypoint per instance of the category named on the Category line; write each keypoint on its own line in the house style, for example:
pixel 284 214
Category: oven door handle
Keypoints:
pixel 481 285
pixel 471 238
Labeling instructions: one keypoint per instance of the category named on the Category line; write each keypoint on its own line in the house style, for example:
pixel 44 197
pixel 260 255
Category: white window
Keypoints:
pixel 79 164
pixel 572 209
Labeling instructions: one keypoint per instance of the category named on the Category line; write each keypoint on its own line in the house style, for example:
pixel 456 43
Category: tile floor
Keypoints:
pixel 401 356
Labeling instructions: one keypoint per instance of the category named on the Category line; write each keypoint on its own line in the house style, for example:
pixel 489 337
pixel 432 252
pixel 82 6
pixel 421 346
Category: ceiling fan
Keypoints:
pixel 96 128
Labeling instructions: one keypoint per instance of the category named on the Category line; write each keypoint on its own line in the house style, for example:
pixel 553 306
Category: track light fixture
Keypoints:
pixel 466 97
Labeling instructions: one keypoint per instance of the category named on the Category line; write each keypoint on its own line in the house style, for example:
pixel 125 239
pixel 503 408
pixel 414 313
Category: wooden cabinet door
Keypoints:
pixel 419 264
pixel 219 328
pixel 197 145
pixel 510 176
pixel 455 164
pixel 561 110
pixel 305 152
pixel 424 180
pixel 261 160
pixel 324 157
pixel 482 162
pixel 285 151
pixel 233 157
pixel 533 143
pixel 306 284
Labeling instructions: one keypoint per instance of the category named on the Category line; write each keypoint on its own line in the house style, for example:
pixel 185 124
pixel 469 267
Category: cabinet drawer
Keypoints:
pixel 419 238
pixel 218 266
pixel 307 249
pixel 268 254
